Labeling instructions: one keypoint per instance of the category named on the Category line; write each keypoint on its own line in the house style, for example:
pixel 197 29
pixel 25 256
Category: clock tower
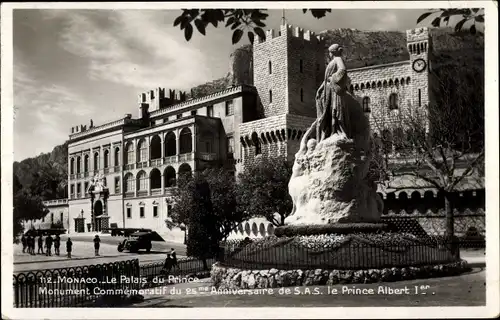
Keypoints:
pixel 419 46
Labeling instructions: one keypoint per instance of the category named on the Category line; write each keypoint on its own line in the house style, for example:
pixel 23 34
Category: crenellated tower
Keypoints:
pixel 158 98
pixel 288 68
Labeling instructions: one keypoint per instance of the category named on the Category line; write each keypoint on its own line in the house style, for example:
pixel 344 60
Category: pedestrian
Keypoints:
pixel 57 244
pixel 69 246
pixel 40 244
pixel 23 241
pixel 168 264
pixel 32 245
pixel 97 244
pixel 48 244
pixel 174 258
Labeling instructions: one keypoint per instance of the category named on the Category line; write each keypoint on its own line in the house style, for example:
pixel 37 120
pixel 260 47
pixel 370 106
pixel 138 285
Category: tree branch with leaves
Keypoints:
pixel 251 21
pixel 474 15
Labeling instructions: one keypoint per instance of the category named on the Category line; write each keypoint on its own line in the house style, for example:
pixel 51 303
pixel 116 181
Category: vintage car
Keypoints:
pixel 137 241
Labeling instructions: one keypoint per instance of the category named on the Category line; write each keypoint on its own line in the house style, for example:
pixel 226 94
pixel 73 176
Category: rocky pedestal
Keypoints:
pixel 329 185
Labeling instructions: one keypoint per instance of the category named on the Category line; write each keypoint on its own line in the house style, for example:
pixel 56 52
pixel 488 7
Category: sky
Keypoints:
pixel 74 65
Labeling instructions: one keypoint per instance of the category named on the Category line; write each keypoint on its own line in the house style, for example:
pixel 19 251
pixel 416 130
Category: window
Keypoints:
pixel 393 101
pixel 143 181
pixel 270 67
pixel 72 190
pixel 208 147
pixel 86 163
pixel 366 104
pixel 72 167
pixel 301 67
pixel 141 212
pixel 130 186
pixel 165 120
pixel 117 156
pixel 130 153
pixel 86 187
pixel 301 95
pixel 61 216
pixel 106 158
pixel 78 189
pixel 230 145
pixel 270 96
pixel 194 112
pixel 210 111
pixel 155 212
pixel 96 161
pixel 117 184
pixel 129 213
pixel 51 217
pixel 43 219
pixel 179 116
pixel 78 164
pixel 229 108
pixel 143 151
pixel 419 97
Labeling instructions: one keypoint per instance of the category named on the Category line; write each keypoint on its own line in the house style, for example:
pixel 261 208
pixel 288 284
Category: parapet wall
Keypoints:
pixel 290 31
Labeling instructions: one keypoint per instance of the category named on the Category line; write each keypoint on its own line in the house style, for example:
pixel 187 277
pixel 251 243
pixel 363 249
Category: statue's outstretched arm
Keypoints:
pixel 307 134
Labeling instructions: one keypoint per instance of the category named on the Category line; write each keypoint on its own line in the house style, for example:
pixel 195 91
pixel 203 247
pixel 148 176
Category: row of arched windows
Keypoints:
pixel 143 152
pixel 392 103
pixel 142 181
pixel 76 162
pixel 380 84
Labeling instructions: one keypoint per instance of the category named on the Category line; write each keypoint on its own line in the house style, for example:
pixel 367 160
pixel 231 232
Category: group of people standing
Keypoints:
pixel 28 243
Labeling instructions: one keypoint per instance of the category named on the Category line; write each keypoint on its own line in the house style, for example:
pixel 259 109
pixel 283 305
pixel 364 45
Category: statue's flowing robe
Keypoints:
pixel 330 106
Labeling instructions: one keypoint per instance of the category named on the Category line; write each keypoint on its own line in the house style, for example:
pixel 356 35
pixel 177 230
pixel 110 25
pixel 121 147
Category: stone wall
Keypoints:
pixel 234 278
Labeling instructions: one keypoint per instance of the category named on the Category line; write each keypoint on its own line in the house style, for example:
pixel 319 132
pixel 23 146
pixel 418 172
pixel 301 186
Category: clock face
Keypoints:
pixel 419 65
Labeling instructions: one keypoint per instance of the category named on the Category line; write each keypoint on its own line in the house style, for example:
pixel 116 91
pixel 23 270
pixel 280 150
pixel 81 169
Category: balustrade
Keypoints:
pixel 170 160
pixel 142 193
pixel 116 169
pixel 106 170
pixel 156 192
pixel 129 194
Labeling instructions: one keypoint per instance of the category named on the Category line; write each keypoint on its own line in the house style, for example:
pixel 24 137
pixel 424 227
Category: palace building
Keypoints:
pixel 141 157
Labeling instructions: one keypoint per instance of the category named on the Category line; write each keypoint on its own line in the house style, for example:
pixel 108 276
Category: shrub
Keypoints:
pixel 338 228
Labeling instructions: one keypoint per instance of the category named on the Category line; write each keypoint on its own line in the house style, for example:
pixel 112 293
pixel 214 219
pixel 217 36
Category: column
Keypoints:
pixel 69 177
pixel 193 140
pixel 177 144
pixel 162 141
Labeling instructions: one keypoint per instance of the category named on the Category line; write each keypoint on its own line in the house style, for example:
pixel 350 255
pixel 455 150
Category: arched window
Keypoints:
pixel 96 161
pixel 270 96
pixel 170 144
pixel 130 183
pixel 393 101
pixel 86 163
pixel 143 151
pixel 170 177
pixel 155 179
pixel 72 166
pixel 117 156
pixel 270 67
pixel 106 158
pixel 142 181
pixel 366 104
pixel 129 150
pixel 78 165
pixel 155 147
pixel 186 142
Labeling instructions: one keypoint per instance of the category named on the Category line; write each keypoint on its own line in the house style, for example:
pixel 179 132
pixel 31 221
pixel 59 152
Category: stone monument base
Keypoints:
pixel 331 258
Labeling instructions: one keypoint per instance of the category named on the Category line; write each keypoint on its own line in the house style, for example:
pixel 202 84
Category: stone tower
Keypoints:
pixel 288 68
pixel 420 47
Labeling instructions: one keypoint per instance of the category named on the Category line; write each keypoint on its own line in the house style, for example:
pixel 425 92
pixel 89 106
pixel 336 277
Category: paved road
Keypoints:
pixel 83 254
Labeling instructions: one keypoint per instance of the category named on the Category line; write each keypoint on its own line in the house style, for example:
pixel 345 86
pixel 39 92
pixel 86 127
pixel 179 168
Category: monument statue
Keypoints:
pixel 330 182
pixel 330 102
pixel 97 184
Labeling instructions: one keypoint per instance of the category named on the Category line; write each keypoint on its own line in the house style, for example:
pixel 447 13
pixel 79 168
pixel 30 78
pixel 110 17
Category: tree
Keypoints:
pixel 474 15
pixel 206 204
pixel 26 207
pixel 239 20
pixel 262 190
pixel 441 144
